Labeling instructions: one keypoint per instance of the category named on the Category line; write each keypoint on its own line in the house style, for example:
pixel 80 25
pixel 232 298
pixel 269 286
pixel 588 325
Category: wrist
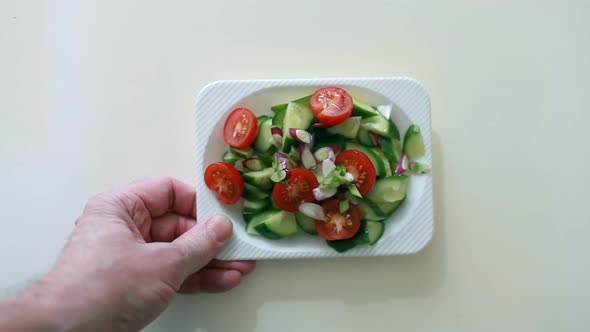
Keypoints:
pixel 34 309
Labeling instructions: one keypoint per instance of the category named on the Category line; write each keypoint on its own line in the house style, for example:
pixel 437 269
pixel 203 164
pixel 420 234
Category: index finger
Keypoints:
pixel 166 194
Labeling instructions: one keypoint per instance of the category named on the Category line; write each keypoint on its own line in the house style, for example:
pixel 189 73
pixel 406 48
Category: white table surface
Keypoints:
pixel 94 95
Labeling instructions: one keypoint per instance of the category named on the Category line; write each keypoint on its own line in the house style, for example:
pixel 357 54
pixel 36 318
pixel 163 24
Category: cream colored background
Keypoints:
pixel 96 94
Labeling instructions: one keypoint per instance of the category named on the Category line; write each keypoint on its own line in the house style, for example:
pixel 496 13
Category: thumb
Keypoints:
pixel 201 243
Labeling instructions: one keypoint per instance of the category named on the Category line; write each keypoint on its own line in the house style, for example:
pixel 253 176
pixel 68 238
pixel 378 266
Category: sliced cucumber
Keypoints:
pixel 253 164
pixel 322 138
pixel 388 190
pixel 359 239
pixel 303 100
pixel 294 159
pixel 392 149
pixel 363 110
pixel 248 217
pixel 259 218
pixel 381 155
pixel 254 207
pixel 413 142
pixel 267 158
pixel 279 117
pixel 252 193
pixel 376 160
pixel 273 225
pixel 264 140
pixel 375 230
pixel 243 153
pixel 306 223
pixel 279 108
pixel 298 115
pixel 370 211
pixel 364 137
pixel 259 179
pixel 386 209
pixel 229 157
pixel 378 125
pixel 393 131
pixel 349 128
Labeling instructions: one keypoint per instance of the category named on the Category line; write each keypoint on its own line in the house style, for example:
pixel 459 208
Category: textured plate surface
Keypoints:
pixel 407 231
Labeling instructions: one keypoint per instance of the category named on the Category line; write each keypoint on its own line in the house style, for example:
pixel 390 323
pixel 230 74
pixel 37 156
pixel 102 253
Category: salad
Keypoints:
pixel 326 164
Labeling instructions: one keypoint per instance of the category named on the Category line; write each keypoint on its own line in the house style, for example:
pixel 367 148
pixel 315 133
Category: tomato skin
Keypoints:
pixel 331 105
pixel 288 195
pixel 349 222
pixel 361 167
pixel 226 181
pixel 240 128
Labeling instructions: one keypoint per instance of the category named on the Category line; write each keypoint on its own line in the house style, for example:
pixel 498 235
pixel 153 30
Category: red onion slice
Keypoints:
pixel 300 135
pixel 402 165
pixel 307 158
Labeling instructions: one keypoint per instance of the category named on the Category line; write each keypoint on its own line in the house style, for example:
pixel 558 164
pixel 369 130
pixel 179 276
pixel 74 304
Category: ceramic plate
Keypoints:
pixel 407 231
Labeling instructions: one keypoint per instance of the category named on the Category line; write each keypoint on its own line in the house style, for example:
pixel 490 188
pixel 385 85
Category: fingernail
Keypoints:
pixel 221 227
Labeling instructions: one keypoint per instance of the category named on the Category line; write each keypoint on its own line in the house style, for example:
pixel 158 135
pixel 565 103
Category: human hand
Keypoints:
pixel 132 250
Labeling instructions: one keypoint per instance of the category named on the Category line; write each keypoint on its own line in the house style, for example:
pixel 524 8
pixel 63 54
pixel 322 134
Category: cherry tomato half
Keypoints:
pixel 288 195
pixel 226 180
pixel 331 105
pixel 241 128
pixel 361 168
pixel 338 225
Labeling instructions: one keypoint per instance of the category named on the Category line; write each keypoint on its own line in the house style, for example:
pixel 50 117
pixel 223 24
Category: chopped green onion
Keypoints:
pixel 344 206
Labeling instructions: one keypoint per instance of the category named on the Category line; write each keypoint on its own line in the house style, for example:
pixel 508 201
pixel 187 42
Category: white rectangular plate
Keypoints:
pixel 407 231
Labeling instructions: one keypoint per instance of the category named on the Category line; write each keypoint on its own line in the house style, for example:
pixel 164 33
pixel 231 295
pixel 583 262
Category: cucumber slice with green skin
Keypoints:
pixel 349 128
pixel 364 137
pixel 359 239
pixel 378 211
pixel 303 100
pixel 273 225
pixel 386 209
pixel 294 159
pixel 363 110
pixel 229 157
pixel 248 217
pixel 257 219
pixel 279 117
pixel 381 155
pixel 375 230
pixel 283 107
pixel 279 108
pixel 288 143
pixel 264 140
pixel 298 115
pixel 243 153
pixel 259 179
pixel 378 125
pixel 413 142
pixel 252 193
pixel 267 158
pixel 392 149
pixel 376 160
pixel 306 223
pixel 254 207
pixel 370 211
pixel 322 139
pixel 388 190
pixel 393 130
